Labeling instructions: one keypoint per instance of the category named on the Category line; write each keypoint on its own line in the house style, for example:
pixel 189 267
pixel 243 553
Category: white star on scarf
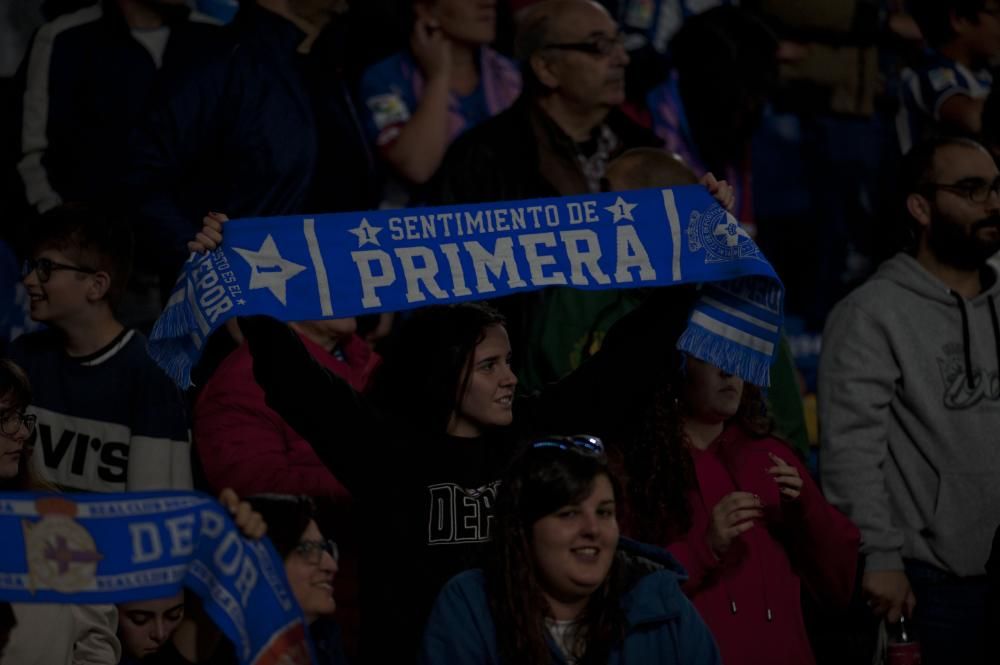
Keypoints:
pixel 621 210
pixel 269 270
pixel 366 233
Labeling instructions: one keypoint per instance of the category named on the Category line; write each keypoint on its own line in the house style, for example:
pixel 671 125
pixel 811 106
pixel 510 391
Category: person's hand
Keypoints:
pixel 210 236
pixel 247 519
pixel 889 594
pixel 721 190
pixel 431 48
pixel 787 476
pixel 733 515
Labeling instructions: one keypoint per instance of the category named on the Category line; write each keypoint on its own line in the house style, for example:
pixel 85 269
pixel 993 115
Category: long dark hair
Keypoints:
pixel 539 482
pixel 421 379
pixel 658 461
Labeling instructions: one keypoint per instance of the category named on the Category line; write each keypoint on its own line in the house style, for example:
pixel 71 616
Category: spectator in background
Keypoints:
pixel 245 445
pixel 418 101
pixel 739 511
pixel 725 65
pixel 559 136
pixel 144 626
pixel 85 82
pixel 561 588
pixel 109 419
pixel 910 410
pixel 265 126
pixel 945 93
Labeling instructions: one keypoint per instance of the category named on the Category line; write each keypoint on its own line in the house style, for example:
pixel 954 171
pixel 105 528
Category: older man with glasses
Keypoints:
pixel 559 136
pixel 556 140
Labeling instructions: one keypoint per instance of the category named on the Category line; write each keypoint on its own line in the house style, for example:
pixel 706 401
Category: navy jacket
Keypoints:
pixel 259 130
pixel 663 628
pixel 84 83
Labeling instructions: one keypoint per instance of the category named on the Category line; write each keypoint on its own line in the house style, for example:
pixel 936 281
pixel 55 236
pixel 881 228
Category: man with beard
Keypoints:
pixel 909 405
pixel 85 80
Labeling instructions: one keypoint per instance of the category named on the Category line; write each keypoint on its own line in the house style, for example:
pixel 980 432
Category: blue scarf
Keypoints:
pixel 115 548
pixel 343 265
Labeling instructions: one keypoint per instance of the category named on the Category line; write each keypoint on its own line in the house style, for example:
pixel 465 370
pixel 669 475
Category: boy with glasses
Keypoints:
pixel 108 419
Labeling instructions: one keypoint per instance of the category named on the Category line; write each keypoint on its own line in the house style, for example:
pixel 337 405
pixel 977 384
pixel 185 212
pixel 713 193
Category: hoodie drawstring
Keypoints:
pixel 965 336
pixel 996 329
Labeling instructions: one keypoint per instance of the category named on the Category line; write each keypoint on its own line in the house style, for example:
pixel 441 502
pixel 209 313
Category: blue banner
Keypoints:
pixel 114 548
pixel 342 265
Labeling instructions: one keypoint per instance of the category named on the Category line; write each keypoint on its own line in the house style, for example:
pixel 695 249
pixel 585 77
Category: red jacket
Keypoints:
pixel 750 600
pixel 245 445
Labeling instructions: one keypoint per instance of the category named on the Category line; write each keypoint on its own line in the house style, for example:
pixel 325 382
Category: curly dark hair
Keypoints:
pixel 421 379
pixel 540 482
pixel 658 463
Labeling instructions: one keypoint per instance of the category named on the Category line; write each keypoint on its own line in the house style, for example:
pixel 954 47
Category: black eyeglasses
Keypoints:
pixel 974 189
pixel 602 46
pixel 312 550
pixel 11 421
pixel 579 442
pixel 45 267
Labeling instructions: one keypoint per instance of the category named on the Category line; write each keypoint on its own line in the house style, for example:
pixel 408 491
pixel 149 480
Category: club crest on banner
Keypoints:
pixel 61 553
pixel 721 236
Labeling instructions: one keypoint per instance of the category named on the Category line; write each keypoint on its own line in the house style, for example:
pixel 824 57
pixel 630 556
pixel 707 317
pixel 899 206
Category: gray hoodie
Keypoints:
pixel 909 408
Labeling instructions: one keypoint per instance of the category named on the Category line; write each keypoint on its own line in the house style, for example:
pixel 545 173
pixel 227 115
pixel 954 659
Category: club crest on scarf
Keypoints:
pixel 721 236
pixel 61 553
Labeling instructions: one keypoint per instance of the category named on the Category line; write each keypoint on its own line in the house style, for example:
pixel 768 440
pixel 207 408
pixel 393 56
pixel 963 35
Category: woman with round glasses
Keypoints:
pixel 561 586
pixel 310 566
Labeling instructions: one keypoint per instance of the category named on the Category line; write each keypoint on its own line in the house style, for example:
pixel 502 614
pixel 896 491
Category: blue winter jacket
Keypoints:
pixel 663 628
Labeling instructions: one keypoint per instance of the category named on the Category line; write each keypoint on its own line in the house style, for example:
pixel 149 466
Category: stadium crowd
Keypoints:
pixel 545 477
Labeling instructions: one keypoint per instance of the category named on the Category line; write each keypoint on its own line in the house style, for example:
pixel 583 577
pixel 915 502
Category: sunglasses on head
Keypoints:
pixel 578 442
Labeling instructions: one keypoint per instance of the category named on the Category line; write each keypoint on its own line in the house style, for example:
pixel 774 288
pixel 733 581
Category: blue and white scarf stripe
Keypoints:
pixel 731 331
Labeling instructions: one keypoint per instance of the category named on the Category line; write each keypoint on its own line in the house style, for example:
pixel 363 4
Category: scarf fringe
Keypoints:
pixel 175 350
pixel 730 356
